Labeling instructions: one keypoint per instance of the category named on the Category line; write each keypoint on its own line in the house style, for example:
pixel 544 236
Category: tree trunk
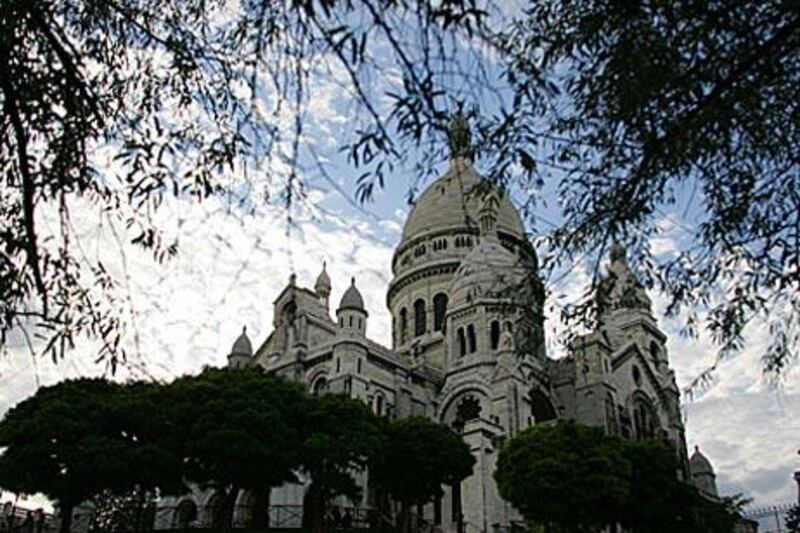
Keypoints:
pixel 227 508
pixel 405 518
pixel 260 518
pixel 314 511
pixel 66 516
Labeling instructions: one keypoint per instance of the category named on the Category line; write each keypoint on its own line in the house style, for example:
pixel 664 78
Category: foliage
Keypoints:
pixel 660 502
pixel 793 519
pixel 239 430
pixel 110 108
pixel 418 458
pixel 635 108
pixel 568 477
pixel 79 438
pixel 565 476
pixel 341 434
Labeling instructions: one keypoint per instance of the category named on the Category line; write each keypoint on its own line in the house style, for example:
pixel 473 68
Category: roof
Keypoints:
pixel 453 201
pixel 242 346
pixel 699 463
pixel 323 282
pixel 351 299
pixel 488 271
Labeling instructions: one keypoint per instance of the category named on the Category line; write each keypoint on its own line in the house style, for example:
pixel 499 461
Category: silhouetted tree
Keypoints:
pixel 596 481
pixel 793 519
pixel 419 457
pixel 240 429
pixel 80 438
pixel 565 477
pixel 340 435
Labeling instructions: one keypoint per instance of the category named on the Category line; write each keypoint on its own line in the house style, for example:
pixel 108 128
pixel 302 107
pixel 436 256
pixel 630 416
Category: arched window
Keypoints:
pixel 637 375
pixel 611 415
pixel 439 309
pixel 185 514
pixel 541 406
pixel 214 511
pixel 419 317
pixel 379 404
pixel 320 386
pixel 403 325
pixel 655 354
pixel 462 343
pixel 644 419
pixel 471 338
pixel 494 334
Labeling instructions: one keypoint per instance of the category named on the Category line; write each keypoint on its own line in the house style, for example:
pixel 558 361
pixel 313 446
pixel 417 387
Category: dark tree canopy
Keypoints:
pixel 240 429
pixel 568 477
pixel 419 457
pixel 340 436
pixel 79 438
pixel 564 476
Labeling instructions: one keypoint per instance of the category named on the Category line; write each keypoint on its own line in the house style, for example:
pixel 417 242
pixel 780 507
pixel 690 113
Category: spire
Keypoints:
pixel 460 137
pixel 620 289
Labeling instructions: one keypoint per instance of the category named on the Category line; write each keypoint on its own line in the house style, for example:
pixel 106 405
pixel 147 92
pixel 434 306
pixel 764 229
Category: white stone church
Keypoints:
pixel 468 345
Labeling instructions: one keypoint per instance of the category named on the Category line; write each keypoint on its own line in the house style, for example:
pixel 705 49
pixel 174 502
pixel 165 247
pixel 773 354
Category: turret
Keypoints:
pixel 322 287
pixel 241 352
pixel 703 475
pixel 351 314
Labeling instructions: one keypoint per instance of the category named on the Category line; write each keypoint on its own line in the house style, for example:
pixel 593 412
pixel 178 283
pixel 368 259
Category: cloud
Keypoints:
pixel 232 265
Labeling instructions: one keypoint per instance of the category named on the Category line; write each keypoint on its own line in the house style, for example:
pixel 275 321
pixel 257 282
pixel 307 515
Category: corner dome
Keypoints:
pixel 323 283
pixel 489 271
pixel 351 299
pixel 242 346
pixel 453 200
pixel 699 463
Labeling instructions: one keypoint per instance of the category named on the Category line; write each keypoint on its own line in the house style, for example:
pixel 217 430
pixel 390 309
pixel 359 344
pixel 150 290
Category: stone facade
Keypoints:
pixel 468 344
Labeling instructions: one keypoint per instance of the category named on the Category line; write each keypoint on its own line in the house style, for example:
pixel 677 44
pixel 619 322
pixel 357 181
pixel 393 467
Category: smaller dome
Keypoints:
pixel 699 463
pixel 351 299
pixel 488 271
pixel 242 346
pixel 323 283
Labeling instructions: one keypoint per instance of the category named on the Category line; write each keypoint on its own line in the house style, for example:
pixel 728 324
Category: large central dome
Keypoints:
pixel 441 230
pixel 452 202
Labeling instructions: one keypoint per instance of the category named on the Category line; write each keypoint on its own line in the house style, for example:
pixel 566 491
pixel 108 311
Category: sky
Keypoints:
pixel 186 313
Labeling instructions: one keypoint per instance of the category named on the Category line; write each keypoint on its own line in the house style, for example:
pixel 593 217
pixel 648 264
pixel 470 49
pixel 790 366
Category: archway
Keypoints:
pixel 185 514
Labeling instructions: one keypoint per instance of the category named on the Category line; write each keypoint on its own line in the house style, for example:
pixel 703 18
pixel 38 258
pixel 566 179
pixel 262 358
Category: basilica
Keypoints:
pixel 468 345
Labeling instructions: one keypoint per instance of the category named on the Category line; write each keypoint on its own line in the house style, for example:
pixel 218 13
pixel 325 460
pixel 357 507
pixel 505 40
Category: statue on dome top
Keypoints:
pixel 460 136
